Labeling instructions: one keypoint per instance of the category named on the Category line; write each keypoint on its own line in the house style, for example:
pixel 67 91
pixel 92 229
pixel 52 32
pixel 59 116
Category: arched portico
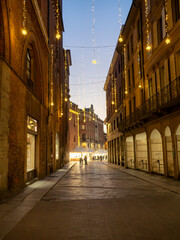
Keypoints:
pixel 169 152
pixel 130 152
pixel 156 152
pixel 141 151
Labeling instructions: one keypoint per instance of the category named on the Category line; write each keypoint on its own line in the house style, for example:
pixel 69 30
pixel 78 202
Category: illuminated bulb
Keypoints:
pixel 65 99
pixel 52 104
pixel 168 40
pixel 116 111
pixel 148 47
pixel 120 39
pixel 94 61
pixel 58 35
pixel 126 92
pixel 140 86
pixel 112 102
pixel 24 31
pixel 61 114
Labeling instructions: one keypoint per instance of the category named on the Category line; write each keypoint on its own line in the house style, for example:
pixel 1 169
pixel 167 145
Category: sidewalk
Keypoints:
pixel 14 209
pixel 160 181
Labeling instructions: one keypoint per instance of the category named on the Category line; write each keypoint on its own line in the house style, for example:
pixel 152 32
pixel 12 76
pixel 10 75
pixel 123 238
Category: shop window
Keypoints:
pixel 57 146
pixel 31 148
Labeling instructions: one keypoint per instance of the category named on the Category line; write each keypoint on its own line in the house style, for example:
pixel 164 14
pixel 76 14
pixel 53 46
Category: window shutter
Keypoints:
pixel 163 23
pixel 153 83
pixel 169 11
pixel 155 42
pixel 158 79
pixel 166 74
pixel 172 67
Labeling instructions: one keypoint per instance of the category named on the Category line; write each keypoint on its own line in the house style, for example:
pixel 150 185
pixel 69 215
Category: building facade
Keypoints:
pixel 148 118
pixel 85 129
pixel 32 92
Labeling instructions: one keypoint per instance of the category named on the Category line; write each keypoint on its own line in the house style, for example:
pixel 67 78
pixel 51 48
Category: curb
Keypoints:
pixel 159 184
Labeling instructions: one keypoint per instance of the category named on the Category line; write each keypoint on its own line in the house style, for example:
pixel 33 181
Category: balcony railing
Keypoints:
pixel 166 98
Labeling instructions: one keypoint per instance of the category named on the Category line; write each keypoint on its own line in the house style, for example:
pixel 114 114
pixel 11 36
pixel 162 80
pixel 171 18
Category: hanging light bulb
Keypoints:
pixel 148 47
pixel 24 30
pixel 120 39
pixel 58 35
pixel 112 102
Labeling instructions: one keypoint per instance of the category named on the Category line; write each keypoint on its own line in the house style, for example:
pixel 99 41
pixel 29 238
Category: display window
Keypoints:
pixel 32 131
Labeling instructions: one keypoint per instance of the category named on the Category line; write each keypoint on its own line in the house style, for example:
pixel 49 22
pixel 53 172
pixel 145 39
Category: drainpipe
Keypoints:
pixel 142 45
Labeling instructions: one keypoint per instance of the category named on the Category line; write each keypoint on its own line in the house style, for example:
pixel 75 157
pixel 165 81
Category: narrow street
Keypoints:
pixel 96 201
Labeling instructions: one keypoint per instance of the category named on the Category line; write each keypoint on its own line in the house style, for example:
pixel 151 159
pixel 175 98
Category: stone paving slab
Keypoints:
pixel 97 202
pixel 161 181
pixel 14 209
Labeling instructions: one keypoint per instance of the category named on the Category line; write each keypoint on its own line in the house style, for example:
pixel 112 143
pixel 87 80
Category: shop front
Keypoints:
pixel 31 148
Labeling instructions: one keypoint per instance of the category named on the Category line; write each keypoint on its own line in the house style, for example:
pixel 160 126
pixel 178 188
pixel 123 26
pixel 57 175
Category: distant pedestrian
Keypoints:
pixel 85 160
pixel 81 160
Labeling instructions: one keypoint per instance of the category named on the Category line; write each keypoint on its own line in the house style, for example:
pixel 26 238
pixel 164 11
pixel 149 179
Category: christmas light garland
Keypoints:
pixel 58 35
pixel 166 24
pixel 24 29
pixel 148 46
pixel 125 72
pixel 51 76
pixel 139 65
pixel 93 33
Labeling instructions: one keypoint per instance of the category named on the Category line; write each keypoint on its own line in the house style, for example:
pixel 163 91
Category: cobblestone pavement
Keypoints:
pixel 99 202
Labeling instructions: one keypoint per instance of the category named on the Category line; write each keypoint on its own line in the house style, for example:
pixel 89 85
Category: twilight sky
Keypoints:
pixel 87 79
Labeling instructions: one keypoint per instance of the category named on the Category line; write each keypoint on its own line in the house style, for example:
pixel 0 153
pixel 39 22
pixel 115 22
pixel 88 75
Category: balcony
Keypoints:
pixel 165 101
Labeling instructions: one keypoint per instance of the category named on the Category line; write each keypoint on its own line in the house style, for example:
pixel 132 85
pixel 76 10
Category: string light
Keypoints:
pixel 125 73
pixel 51 75
pixel 120 23
pixel 166 24
pixel 58 35
pixel 66 76
pixel 147 8
pixel 112 88
pixel 24 30
pixel 115 95
pixel 93 33
pixel 139 65
pixel 61 100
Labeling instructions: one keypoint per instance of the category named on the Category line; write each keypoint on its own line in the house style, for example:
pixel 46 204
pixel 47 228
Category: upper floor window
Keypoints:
pixel 175 10
pixel 150 87
pixel 28 64
pixel 132 48
pixel 160 30
pixel 30 69
pixel 133 81
pixel 128 56
pixel 138 29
